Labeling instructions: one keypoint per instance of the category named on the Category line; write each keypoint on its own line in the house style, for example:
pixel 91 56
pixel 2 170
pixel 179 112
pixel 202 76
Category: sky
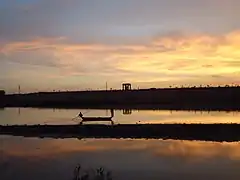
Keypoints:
pixel 50 45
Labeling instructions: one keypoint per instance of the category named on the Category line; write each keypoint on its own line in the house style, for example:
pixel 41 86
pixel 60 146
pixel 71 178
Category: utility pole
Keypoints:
pixel 106 86
pixel 19 89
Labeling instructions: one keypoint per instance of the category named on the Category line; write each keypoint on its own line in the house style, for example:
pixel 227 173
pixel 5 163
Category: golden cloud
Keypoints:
pixel 179 57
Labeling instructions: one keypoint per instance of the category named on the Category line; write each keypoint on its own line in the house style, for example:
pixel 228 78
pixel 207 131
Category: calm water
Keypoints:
pixel 65 116
pixel 48 159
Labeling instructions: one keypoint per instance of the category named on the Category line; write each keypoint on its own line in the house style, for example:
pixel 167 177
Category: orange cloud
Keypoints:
pixel 171 59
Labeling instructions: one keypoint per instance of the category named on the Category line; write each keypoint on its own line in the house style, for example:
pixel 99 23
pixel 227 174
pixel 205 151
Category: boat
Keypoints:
pixel 96 119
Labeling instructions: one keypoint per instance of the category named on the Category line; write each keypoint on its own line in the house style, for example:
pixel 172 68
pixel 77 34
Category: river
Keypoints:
pixel 48 158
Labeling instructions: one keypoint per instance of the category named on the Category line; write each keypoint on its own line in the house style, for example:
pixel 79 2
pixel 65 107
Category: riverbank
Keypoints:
pixel 211 98
pixel 203 132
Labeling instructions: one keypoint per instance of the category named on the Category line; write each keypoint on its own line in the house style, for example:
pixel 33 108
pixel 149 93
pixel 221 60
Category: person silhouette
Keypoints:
pixel 80 114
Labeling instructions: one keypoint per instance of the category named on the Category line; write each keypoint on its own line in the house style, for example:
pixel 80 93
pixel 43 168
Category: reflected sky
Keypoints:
pixel 65 116
pixel 32 158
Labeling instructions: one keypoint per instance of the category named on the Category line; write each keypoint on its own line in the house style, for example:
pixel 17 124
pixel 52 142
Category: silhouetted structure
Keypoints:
pixel 126 86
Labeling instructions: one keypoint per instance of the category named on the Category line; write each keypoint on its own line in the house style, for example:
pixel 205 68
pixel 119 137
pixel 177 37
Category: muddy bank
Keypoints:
pixel 203 132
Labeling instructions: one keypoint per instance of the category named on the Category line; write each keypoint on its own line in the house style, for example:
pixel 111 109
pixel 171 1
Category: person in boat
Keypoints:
pixel 80 115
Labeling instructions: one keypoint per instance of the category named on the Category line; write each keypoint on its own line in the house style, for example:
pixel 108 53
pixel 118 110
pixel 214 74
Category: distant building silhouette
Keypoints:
pixel 126 86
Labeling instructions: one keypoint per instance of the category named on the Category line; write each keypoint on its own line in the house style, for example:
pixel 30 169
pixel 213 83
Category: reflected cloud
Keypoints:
pixel 194 151
pixel 127 159
pixel 200 151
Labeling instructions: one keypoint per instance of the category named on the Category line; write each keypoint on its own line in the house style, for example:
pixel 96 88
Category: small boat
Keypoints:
pixel 95 119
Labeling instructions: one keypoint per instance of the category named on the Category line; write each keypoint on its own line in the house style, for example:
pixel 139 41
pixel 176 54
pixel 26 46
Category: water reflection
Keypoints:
pixel 127 159
pixel 127 111
pixel 126 116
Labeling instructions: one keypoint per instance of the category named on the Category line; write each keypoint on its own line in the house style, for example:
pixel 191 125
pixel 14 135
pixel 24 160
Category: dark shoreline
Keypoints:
pixel 205 98
pixel 202 132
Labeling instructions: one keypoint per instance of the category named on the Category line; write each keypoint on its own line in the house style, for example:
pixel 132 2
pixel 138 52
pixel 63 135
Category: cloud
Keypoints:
pixel 92 21
pixel 88 42
pixel 174 58
pixel 189 54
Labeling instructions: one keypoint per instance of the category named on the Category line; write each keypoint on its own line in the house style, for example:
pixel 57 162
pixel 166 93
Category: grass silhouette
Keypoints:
pixel 91 174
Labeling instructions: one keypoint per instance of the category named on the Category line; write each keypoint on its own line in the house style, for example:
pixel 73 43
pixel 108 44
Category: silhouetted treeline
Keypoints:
pixel 226 98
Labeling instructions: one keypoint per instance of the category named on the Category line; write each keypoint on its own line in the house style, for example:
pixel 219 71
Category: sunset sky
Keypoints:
pixel 77 44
